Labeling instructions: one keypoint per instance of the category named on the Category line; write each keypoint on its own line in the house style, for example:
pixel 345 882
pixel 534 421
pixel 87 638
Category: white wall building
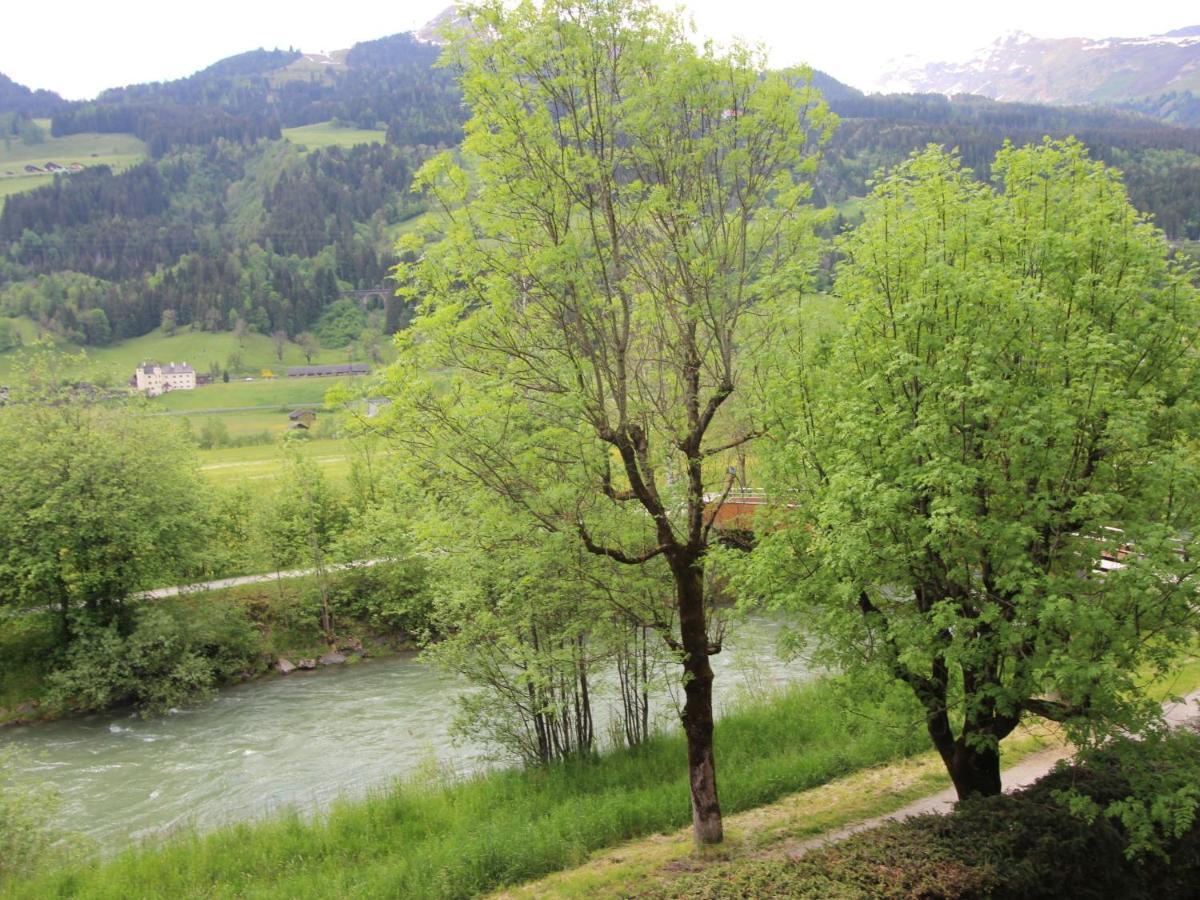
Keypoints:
pixel 156 379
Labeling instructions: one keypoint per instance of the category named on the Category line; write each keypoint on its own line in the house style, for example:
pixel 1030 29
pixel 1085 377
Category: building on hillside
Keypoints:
pixel 156 379
pixel 325 371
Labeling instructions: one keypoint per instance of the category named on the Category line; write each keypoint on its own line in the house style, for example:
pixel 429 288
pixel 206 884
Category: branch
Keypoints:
pixel 613 553
pixel 716 509
pixel 1052 709
pixel 736 442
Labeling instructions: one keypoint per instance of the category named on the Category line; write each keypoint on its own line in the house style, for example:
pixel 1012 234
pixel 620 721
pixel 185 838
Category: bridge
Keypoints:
pixel 736 513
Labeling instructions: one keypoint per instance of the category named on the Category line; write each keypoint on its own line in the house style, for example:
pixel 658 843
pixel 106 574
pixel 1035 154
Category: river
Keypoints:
pixel 302 742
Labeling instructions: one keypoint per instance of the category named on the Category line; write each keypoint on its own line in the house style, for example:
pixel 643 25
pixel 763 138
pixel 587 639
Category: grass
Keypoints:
pixel 778 829
pixel 462 838
pixel 201 349
pixel 230 466
pixel 261 392
pixel 119 151
pixel 326 134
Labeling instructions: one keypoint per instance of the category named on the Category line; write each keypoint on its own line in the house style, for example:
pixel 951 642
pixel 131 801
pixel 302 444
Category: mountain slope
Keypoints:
pixel 1019 66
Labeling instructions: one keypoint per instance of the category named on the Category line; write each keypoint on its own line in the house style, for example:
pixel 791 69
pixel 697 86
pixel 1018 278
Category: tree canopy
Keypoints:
pixel 992 473
pixel 629 208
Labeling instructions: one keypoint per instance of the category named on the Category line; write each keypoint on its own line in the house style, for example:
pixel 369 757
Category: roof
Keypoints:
pixel 340 369
pixel 172 369
pixel 301 412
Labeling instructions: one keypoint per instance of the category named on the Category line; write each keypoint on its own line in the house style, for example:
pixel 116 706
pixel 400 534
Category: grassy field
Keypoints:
pixel 120 151
pixel 326 134
pixel 273 392
pixel 200 349
pixel 231 466
pixel 462 838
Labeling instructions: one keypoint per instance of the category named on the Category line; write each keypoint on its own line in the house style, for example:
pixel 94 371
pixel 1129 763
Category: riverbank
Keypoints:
pixel 460 837
pixel 276 618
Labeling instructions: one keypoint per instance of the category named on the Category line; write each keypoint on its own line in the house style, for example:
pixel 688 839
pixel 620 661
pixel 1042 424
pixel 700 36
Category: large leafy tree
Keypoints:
pixel 96 500
pixel 629 210
pixel 1009 412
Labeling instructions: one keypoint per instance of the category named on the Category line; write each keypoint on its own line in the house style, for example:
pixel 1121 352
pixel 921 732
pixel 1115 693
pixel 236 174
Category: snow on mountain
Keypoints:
pixel 1019 66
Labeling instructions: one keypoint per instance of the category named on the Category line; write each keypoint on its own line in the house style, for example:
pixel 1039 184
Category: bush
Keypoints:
pixel 173 655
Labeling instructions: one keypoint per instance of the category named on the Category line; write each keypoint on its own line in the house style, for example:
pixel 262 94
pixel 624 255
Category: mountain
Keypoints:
pixel 234 222
pixel 16 98
pixel 1021 67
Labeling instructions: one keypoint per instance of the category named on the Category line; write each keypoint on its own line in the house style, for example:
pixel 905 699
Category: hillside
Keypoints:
pixel 1157 73
pixel 264 193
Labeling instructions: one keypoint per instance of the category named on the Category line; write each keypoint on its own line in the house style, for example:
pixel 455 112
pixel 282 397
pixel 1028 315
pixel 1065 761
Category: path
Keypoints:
pixel 222 583
pixel 1023 774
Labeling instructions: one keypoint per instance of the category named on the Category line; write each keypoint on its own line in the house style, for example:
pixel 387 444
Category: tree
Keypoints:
pixel 634 208
pixel 280 340
pixel 305 522
pixel 308 345
pixel 1010 410
pixel 96 502
pixel 169 322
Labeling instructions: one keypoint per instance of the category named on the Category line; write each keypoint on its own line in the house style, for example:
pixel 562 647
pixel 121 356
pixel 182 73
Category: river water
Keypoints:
pixel 302 742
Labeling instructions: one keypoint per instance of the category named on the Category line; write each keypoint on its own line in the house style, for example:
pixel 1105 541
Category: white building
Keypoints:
pixel 156 379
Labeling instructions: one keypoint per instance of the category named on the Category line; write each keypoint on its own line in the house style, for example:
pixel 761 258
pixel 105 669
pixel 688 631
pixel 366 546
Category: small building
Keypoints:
pixel 376 405
pixel 156 379
pixel 327 371
pixel 32 169
pixel 302 418
pixel 53 167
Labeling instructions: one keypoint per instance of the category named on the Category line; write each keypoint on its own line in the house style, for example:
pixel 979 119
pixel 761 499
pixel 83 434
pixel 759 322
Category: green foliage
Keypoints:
pixel 95 503
pixel 1014 396
pixel 1024 845
pixel 393 594
pixel 173 655
pixel 467 837
pixel 29 836
pixel 340 324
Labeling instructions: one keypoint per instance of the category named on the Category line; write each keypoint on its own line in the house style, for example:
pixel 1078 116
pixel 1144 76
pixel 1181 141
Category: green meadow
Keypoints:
pixel 232 466
pixel 118 151
pixel 203 350
pixel 326 134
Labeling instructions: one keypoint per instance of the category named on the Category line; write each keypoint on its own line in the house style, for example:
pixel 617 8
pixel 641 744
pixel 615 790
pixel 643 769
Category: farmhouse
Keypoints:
pixel 302 418
pixel 325 371
pixel 156 379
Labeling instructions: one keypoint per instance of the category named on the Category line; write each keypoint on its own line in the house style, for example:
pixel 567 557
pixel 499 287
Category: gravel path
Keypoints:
pixel 1024 773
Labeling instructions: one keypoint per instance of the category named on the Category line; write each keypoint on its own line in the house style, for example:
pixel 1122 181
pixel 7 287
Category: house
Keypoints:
pixel 326 371
pixel 31 169
pixel 156 379
pixel 53 167
pixel 302 418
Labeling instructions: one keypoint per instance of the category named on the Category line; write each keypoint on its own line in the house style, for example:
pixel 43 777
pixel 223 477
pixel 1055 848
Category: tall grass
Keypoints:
pixel 466 837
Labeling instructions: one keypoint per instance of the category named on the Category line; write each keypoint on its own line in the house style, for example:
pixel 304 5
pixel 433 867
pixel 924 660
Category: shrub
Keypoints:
pixel 173 655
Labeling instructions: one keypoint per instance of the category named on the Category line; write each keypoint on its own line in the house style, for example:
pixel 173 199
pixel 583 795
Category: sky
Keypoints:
pixel 79 48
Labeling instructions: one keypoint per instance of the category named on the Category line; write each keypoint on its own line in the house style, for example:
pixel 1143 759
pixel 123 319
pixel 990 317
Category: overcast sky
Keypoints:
pixel 79 48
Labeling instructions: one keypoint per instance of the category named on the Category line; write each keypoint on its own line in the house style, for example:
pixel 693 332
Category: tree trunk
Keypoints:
pixel 975 771
pixel 697 708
